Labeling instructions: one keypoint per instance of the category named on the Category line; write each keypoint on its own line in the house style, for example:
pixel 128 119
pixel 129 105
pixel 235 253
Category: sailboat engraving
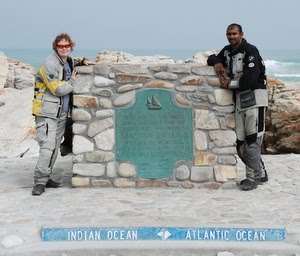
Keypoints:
pixel 153 103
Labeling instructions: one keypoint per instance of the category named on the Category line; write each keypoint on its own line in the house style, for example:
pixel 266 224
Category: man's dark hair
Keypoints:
pixel 235 25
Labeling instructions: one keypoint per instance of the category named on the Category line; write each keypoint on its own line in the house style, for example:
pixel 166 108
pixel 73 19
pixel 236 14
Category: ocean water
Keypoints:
pixel 281 64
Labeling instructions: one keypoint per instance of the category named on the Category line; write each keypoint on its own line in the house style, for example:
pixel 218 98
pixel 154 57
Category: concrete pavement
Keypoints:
pixel 275 205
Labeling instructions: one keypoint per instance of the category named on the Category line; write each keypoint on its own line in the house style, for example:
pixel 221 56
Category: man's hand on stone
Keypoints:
pixel 224 80
pixel 219 69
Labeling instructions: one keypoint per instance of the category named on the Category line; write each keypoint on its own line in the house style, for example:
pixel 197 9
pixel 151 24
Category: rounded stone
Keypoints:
pixel 126 170
pixel 182 172
pixel 11 241
pixel 111 169
pixel 81 115
pixel 78 128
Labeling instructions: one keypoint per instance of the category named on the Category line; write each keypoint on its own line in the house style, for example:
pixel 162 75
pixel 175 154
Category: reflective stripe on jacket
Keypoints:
pixel 50 86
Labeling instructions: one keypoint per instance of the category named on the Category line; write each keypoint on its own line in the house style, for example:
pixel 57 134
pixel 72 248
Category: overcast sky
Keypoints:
pixel 148 24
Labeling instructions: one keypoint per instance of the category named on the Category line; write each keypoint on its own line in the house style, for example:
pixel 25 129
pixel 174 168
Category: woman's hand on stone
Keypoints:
pixel 87 62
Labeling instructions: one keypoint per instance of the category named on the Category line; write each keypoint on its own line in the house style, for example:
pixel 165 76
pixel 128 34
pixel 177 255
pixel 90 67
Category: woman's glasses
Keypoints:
pixel 62 46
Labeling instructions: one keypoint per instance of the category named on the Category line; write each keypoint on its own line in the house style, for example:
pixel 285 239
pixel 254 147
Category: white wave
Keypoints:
pixel 270 63
pixel 275 63
pixel 286 75
pixel 287 71
pixel 282 69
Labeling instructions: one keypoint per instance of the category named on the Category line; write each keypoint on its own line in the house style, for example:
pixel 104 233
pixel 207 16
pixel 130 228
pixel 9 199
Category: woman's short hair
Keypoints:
pixel 61 37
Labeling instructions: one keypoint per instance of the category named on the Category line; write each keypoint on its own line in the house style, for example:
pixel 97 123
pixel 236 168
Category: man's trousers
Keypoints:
pixel 250 127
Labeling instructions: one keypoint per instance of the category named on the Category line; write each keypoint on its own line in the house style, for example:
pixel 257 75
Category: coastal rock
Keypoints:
pixel 17 130
pixel 113 56
pixel 123 57
pixel 283 120
pixel 20 75
pixel 15 74
pixel 3 69
pixel 201 57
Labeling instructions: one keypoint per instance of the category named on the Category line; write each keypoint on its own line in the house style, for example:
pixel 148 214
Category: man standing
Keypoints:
pixel 51 104
pixel 240 68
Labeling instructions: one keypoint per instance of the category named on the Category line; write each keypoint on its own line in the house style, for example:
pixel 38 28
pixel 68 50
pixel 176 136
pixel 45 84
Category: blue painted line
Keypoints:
pixel 163 233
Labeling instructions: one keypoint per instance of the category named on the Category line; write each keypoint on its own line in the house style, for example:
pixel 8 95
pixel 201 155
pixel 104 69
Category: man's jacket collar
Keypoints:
pixel 241 48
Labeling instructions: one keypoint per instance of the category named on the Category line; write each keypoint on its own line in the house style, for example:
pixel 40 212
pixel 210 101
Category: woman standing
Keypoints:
pixel 54 84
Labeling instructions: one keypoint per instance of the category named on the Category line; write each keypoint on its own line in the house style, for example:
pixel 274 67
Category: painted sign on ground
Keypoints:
pixel 162 233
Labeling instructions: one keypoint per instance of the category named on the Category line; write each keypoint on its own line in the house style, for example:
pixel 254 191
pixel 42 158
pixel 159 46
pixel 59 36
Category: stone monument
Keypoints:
pixel 149 125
